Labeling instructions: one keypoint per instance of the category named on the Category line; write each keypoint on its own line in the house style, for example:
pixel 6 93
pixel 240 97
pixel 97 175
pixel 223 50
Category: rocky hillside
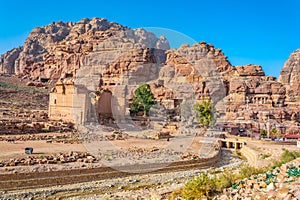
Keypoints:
pixel 58 50
pixel 99 54
pixel 24 110
pixel 278 183
pixel 290 76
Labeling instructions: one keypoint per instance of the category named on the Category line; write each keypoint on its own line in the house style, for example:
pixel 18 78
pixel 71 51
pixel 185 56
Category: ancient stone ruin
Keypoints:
pixel 95 66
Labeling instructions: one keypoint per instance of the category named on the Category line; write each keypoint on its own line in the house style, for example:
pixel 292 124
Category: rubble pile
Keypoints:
pixel 137 153
pixel 17 126
pixel 278 183
pixel 50 159
pixel 189 156
pixel 63 138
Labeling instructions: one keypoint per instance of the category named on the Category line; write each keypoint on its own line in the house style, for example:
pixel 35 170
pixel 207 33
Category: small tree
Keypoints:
pixel 205 113
pixel 274 132
pixel 263 133
pixel 143 100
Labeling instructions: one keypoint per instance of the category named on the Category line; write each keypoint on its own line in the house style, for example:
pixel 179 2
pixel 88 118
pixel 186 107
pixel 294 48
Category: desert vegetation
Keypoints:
pixel 205 113
pixel 209 185
pixel 143 100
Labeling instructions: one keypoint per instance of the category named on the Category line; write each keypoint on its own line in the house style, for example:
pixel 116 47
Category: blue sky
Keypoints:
pixel 261 32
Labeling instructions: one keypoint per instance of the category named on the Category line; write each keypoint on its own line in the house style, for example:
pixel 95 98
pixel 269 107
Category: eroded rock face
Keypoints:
pixel 256 102
pixel 202 54
pixel 8 61
pixel 59 49
pixel 290 76
pixel 250 70
pixel 189 72
pixel 106 58
pixel 202 65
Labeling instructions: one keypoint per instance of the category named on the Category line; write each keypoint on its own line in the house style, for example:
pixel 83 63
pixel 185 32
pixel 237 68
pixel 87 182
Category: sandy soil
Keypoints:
pixel 13 150
pixel 16 149
pixel 165 153
pixel 191 143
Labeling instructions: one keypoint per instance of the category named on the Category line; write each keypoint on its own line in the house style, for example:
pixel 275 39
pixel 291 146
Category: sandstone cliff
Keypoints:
pixel 59 49
pixel 290 76
pixel 95 55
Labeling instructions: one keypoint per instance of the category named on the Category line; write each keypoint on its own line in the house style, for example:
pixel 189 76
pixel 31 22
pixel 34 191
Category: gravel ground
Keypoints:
pixel 150 186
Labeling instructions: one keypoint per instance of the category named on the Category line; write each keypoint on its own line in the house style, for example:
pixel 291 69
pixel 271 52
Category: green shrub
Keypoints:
pixel 286 157
pixel 142 100
pixel 14 107
pixel 199 187
pixel 18 88
pixel 205 185
pixel 263 133
pixel 247 171
pixel 45 130
pixel 40 156
pixel 225 180
pixel 175 194
pixel 264 156
pixel 205 112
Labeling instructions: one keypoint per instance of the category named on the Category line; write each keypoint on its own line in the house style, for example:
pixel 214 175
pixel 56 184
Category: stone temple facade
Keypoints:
pixel 68 103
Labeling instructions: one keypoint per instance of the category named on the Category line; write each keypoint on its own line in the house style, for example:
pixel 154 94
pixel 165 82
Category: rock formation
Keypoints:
pixel 97 64
pixel 278 183
pixel 58 50
pixel 8 60
pixel 254 99
pixel 290 76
